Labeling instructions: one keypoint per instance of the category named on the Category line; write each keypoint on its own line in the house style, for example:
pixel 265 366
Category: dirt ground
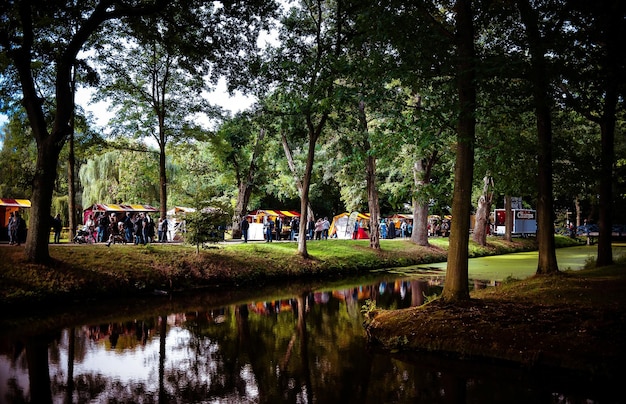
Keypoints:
pixel 572 321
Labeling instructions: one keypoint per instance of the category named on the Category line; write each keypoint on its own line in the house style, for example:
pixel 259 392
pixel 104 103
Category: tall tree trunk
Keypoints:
pixel 162 182
pixel 245 185
pixel 456 285
pixel 579 211
pixel 370 180
pixel 39 225
pixel 71 183
pixel 547 263
pixel 421 177
pixel 482 212
pixel 313 134
pixel 292 168
pixel 71 168
pixel 508 218
pixel 612 18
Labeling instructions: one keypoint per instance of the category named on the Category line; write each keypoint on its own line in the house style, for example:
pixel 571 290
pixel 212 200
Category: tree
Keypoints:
pixel 304 72
pixel 238 145
pixel 593 87
pixel 483 210
pixel 154 96
pixel 41 45
pixel 539 79
pixel 456 284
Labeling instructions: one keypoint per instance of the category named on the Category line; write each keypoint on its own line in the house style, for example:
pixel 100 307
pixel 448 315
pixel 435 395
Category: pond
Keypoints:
pixel 290 343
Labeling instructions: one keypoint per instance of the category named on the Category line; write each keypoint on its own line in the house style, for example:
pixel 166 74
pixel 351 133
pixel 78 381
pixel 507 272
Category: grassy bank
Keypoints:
pixel 98 272
pixel 573 321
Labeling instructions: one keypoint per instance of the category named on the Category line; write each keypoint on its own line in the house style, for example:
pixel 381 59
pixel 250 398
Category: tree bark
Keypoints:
pixel 508 218
pixel 421 177
pixel 456 285
pixel 612 19
pixel 71 168
pixel 162 181
pixel 370 180
pixel 292 168
pixel 482 212
pixel 50 144
pixel 71 186
pixel 245 185
pixel 547 263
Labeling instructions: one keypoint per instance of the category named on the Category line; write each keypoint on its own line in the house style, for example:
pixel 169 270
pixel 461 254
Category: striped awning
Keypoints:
pixel 108 207
pixel 15 203
pixel 272 212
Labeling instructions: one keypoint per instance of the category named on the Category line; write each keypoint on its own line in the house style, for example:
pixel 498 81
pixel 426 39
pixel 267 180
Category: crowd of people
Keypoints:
pixel 274 229
pixel 137 228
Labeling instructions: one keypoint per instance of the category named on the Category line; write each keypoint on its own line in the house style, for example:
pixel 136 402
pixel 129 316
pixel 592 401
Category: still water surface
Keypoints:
pixel 299 344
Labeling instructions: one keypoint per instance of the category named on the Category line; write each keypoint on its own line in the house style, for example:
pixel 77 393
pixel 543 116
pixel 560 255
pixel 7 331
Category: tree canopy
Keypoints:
pixel 389 107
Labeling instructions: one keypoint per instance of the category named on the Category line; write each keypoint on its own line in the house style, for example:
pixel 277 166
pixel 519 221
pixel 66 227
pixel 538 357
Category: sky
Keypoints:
pixel 220 96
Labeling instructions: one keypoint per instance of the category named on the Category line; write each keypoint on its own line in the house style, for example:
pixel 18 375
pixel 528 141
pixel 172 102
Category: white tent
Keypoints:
pixel 176 219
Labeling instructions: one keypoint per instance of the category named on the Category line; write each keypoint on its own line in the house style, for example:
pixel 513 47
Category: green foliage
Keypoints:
pixel 207 225
pixel 17 158
pixel 121 176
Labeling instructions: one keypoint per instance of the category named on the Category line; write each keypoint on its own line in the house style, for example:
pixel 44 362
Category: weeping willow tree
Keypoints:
pixel 120 176
pixel 100 178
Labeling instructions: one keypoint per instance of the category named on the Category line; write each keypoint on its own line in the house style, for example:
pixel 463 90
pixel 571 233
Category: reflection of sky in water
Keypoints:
pixel 138 365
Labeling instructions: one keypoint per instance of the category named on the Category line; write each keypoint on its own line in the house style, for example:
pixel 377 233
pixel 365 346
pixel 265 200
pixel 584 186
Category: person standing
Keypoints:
pixel 137 228
pixel 128 228
pixel 10 228
pixel 160 230
pixel 391 233
pixel 311 228
pixel 319 228
pixel 325 228
pixel 293 225
pixel 268 230
pixel 403 229
pixel 19 228
pixel 355 232
pixel 166 225
pixel 383 229
pixel 57 225
pixel 278 225
pixel 146 228
pixel 245 225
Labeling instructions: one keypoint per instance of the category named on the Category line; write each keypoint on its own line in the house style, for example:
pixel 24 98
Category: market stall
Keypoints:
pixel 116 209
pixel 342 226
pixel 8 206
pixel 258 217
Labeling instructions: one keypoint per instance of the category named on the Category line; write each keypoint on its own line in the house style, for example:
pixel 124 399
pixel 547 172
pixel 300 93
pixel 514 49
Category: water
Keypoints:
pixel 294 344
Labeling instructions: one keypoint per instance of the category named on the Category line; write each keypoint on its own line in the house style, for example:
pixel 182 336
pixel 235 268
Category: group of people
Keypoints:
pixel 273 228
pixel 16 228
pixel 137 228
pixel 318 230
pixel 388 229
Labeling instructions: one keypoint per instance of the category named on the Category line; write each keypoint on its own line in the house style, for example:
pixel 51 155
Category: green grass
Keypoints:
pixel 89 271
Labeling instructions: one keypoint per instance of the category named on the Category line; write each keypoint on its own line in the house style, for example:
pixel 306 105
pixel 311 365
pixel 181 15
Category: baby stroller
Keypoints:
pixel 82 237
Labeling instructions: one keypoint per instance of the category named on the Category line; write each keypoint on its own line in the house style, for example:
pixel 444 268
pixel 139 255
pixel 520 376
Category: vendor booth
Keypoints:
pixel 8 206
pixel 176 222
pixel 118 210
pixel 524 222
pixel 258 217
pixel 342 226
